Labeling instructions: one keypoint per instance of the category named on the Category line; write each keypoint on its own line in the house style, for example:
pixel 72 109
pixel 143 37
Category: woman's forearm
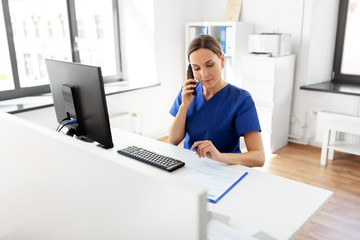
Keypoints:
pixel 254 158
pixel 255 155
pixel 177 129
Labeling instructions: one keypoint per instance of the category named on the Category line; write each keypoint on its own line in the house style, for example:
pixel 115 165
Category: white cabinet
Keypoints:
pixel 233 38
pixel 270 82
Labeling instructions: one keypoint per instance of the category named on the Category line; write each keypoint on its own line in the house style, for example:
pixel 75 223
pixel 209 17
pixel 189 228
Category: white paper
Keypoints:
pixel 217 179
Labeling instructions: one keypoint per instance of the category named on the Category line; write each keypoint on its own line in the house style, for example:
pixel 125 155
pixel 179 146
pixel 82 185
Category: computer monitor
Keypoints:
pixel 78 93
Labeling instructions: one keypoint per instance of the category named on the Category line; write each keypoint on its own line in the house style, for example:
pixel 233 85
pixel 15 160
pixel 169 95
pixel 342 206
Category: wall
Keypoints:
pixel 312 24
pixel 294 17
pixel 168 38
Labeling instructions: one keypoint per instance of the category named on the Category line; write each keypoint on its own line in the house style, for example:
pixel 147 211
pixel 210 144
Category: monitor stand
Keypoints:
pixel 72 132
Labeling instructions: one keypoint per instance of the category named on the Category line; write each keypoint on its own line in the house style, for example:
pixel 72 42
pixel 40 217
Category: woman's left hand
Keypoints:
pixel 206 149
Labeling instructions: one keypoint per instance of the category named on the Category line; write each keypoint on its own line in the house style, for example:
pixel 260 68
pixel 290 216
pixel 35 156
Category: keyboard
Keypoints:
pixel 154 159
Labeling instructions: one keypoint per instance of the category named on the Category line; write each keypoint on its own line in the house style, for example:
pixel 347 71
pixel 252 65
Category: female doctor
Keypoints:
pixel 213 120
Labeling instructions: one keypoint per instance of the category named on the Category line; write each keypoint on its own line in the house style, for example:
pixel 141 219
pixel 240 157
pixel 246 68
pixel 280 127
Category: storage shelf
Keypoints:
pixel 345 147
pixel 270 82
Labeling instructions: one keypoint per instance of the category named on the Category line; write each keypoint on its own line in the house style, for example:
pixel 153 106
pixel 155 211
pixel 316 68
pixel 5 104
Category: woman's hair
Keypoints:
pixel 204 41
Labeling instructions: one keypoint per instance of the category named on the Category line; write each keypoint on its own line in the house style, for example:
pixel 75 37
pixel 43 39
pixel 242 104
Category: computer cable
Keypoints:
pixel 57 129
pixel 72 121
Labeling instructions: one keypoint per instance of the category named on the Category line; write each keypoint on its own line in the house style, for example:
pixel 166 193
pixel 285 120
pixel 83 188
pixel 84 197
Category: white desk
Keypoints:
pixel 260 202
pixel 87 187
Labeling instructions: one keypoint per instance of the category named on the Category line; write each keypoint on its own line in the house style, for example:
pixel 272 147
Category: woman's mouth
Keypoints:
pixel 207 81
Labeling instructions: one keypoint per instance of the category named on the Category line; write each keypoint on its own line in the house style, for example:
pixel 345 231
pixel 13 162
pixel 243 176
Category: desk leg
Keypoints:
pixel 324 148
pixel 332 141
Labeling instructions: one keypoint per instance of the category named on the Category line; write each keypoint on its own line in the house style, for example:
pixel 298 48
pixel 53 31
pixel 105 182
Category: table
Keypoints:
pixel 330 144
pixel 261 202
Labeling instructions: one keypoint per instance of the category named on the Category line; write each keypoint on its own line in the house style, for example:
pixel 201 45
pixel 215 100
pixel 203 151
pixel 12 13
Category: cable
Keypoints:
pixel 72 121
pixel 57 129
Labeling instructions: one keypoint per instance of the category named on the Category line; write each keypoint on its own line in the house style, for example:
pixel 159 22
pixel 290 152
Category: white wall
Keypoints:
pixel 169 36
pixel 312 24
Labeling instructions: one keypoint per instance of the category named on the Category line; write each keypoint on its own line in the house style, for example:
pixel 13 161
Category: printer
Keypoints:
pixel 274 44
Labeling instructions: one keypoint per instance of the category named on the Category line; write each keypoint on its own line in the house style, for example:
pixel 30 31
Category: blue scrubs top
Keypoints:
pixel 223 119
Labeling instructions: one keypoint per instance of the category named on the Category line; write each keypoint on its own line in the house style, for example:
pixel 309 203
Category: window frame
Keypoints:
pixel 338 77
pixel 19 91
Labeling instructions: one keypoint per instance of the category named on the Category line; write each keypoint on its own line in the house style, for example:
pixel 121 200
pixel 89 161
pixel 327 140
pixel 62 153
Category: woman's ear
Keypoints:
pixel 222 58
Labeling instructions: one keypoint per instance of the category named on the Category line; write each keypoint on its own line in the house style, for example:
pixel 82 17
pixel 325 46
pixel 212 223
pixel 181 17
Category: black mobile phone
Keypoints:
pixel 191 75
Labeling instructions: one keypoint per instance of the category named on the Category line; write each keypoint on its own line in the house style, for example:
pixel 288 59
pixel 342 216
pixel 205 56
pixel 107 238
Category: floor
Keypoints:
pixel 340 217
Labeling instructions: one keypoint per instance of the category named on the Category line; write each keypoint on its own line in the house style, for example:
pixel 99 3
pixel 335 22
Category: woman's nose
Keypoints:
pixel 203 73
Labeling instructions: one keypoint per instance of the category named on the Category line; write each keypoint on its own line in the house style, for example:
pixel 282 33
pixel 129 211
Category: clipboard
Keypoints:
pixel 218 179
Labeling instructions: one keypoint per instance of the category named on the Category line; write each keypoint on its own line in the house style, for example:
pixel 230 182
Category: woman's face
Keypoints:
pixel 207 66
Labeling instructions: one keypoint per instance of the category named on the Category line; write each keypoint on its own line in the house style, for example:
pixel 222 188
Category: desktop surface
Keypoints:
pixel 261 202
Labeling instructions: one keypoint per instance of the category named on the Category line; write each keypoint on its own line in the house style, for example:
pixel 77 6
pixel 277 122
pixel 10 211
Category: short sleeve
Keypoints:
pixel 246 119
pixel 175 107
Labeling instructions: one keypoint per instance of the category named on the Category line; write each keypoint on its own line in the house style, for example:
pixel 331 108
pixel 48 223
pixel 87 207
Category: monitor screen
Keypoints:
pixel 78 93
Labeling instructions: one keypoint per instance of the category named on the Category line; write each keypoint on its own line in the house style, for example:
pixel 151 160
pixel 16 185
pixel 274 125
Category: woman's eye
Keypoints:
pixel 210 65
pixel 196 69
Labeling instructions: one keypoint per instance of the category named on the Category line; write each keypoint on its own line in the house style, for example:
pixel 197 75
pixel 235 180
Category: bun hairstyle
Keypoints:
pixel 204 41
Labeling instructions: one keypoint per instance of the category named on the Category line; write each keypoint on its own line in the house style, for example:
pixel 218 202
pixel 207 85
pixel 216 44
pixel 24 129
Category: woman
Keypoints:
pixel 213 120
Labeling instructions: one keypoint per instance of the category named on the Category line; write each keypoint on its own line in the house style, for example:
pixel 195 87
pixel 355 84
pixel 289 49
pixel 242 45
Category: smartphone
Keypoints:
pixel 191 75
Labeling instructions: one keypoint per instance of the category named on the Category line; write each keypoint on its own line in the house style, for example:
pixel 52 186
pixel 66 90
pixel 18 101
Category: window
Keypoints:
pixel 39 40
pixel 80 28
pixel 28 65
pixel 36 22
pixel 6 78
pixel 347 51
pixel 50 29
pixel 85 31
pixel 96 43
pixel 62 24
pixel 25 29
pixel 13 24
pixel 41 67
pixel 99 27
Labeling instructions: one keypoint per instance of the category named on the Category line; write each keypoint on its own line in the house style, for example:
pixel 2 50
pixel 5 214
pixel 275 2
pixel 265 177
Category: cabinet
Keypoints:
pixel 233 38
pixel 270 82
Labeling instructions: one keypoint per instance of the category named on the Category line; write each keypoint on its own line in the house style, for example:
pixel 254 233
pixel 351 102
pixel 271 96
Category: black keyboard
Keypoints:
pixel 157 160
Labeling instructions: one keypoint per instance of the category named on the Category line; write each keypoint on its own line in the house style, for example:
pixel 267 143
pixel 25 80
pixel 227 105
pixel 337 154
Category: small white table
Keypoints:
pixel 330 143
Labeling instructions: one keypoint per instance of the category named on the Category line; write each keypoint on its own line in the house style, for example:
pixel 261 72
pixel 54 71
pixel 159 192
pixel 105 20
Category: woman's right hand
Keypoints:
pixel 187 90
